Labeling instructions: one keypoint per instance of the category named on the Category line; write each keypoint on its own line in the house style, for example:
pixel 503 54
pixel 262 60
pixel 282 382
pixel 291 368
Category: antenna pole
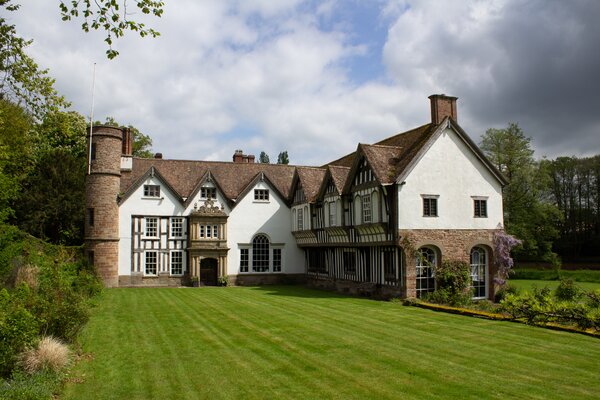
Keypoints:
pixel 91 121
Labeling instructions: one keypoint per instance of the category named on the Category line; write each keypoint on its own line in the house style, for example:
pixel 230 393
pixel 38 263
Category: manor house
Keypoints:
pixel 376 221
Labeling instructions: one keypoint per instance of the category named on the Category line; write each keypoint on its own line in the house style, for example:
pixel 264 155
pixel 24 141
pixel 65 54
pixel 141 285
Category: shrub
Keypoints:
pixel 453 280
pixel 567 290
pixel 505 290
pixel 50 354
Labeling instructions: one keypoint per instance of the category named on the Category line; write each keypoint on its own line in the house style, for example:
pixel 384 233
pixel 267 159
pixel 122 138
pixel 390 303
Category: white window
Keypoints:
pixel 216 231
pixel 426 262
pixel 177 263
pixel 244 260
pixel 151 227
pixel 151 191
pixel 276 260
pixel 208 232
pixel 332 214
pixel 479 266
pixel 201 231
pixel 366 209
pixel 151 263
pixel 260 254
pixel 261 194
pixel 176 227
pixel 300 222
pixel 208 193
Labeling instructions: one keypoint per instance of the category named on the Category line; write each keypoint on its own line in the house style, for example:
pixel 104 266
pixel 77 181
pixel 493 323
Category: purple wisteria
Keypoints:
pixel 503 244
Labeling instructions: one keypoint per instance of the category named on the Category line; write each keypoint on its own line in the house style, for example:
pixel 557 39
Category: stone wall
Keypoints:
pixel 452 244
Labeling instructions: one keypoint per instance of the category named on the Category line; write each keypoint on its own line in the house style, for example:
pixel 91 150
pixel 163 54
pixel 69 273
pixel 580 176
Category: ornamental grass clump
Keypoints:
pixel 50 354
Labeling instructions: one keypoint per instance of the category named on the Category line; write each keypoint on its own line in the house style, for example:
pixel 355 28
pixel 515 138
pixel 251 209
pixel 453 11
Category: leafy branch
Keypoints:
pixel 111 16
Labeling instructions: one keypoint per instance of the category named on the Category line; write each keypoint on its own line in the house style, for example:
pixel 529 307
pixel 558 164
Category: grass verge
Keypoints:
pixel 292 342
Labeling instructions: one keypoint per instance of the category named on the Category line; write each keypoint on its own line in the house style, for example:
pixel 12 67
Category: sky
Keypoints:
pixel 315 78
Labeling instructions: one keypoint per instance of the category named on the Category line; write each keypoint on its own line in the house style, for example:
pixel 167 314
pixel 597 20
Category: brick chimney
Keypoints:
pixel 442 106
pixel 158 156
pixel 127 144
pixel 239 157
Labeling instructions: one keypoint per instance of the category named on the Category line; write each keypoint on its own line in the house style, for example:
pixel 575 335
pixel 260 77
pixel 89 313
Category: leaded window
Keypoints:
pixel 426 262
pixel 480 207
pixel 300 221
pixel 244 257
pixel 151 190
pixel 430 208
pixel 276 260
pixel 177 263
pixel 332 214
pixel 366 209
pixel 176 227
pixel 479 272
pixel 151 264
pixel 260 254
pixel 261 194
pixel 208 193
pixel 151 226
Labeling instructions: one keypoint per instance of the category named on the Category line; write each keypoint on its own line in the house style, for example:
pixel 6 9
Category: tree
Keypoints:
pixel 22 82
pixel 282 158
pixel 526 213
pixel 111 16
pixel 142 144
pixel 15 153
pixel 263 158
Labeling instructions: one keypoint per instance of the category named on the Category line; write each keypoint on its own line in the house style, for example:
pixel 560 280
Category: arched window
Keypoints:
pixel 260 254
pixel 375 207
pixel 294 220
pixel 426 262
pixel 357 210
pixel 479 267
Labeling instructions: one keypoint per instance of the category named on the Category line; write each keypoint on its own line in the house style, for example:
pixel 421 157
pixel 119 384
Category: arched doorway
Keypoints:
pixel 209 268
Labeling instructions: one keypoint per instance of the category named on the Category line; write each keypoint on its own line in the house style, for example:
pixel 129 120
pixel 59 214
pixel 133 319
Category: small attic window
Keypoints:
pixel 364 174
pixel 261 195
pixel 208 193
pixel 151 190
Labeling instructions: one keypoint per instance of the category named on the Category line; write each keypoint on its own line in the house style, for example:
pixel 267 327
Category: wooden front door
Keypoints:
pixel 208 271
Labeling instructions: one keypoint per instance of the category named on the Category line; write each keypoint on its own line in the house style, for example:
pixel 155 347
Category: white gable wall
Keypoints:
pixel 136 204
pixel 249 218
pixel 450 170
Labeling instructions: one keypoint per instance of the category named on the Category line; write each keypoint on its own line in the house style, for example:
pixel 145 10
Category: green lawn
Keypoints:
pixel 289 342
pixel 527 284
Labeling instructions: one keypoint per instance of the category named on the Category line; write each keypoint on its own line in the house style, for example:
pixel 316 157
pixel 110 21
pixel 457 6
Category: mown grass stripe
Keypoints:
pixel 291 342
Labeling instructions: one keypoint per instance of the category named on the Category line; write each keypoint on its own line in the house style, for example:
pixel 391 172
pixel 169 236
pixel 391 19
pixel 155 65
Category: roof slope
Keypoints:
pixel 232 178
pixel 311 179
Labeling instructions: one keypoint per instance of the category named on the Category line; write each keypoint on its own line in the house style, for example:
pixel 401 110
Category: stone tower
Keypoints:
pixel 102 187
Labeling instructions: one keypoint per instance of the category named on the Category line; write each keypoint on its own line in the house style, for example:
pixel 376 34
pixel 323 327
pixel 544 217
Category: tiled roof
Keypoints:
pixel 311 179
pixel 388 158
pixel 339 176
pixel 184 176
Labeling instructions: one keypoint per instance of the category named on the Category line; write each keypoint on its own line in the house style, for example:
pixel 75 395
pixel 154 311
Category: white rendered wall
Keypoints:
pixel 273 218
pixel 451 171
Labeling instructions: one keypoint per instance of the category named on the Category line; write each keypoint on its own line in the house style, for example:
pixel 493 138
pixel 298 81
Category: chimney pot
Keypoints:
pixel 442 106
pixel 158 155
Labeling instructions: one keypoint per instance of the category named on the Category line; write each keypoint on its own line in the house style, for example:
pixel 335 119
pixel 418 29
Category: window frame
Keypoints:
pixel 261 254
pixel 425 270
pixel 480 207
pixel 277 259
pixel 244 260
pixel 261 195
pixel 180 262
pixel 366 210
pixel 208 193
pixel 151 191
pixel 300 220
pixel 427 203
pixel 176 225
pixel 146 256
pixel 480 290
pixel 332 213
pixel 156 223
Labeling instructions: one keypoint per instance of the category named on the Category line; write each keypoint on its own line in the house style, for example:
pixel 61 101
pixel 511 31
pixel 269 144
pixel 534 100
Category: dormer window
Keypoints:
pixel 208 193
pixel 330 187
pixel 261 194
pixel 151 190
